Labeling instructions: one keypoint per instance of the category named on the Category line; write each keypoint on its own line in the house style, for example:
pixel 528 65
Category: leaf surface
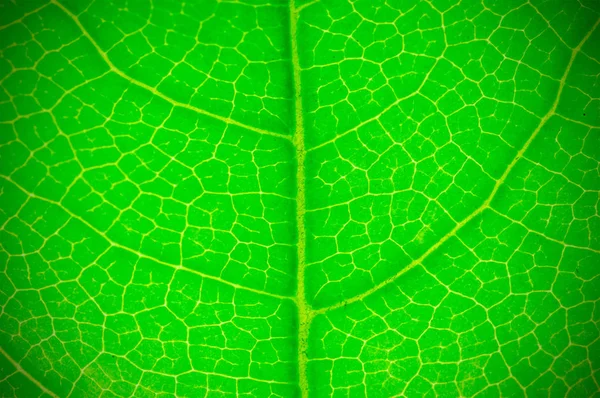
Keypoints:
pixel 324 199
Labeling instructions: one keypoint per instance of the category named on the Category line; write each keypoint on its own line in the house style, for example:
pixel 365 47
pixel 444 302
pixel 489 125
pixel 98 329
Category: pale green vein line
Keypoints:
pixel 560 242
pixel 589 126
pixel 303 6
pixel 487 202
pixel 304 311
pixel 141 255
pixel 537 11
pixel 204 372
pixel 381 113
pixel 27 374
pixel 367 121
pixel 25 15
pixel 153 90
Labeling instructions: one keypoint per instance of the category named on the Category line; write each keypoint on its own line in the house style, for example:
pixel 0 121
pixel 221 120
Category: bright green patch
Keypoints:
pixel 326 199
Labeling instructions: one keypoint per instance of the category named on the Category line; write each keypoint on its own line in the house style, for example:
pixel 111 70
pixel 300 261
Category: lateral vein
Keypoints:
pixel 141 255
pixel 25 373
pixel 487 202
pixel 153 90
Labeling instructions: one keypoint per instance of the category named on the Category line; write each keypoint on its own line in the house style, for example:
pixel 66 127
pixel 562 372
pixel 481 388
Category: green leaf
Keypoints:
pixel 325 198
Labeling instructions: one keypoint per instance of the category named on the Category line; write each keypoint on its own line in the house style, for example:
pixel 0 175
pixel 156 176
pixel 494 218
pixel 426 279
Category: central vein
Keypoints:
pixel 304 312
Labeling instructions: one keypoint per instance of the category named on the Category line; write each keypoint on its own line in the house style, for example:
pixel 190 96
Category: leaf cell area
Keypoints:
pixel 322 198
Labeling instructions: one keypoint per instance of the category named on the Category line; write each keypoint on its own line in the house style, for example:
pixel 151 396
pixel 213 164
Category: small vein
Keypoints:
pixel 25 373
pixel 303 6
pixel 381 113
pixel 539 13
pixel 141 255
pixel 560 242
pixel 487 202
pixel 153 90
pixel 25 15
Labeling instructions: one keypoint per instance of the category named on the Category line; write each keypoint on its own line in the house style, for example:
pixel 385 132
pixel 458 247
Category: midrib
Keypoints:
pixel 304 311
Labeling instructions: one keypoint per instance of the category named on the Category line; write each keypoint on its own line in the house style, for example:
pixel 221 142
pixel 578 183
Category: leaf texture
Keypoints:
pixel 329 198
